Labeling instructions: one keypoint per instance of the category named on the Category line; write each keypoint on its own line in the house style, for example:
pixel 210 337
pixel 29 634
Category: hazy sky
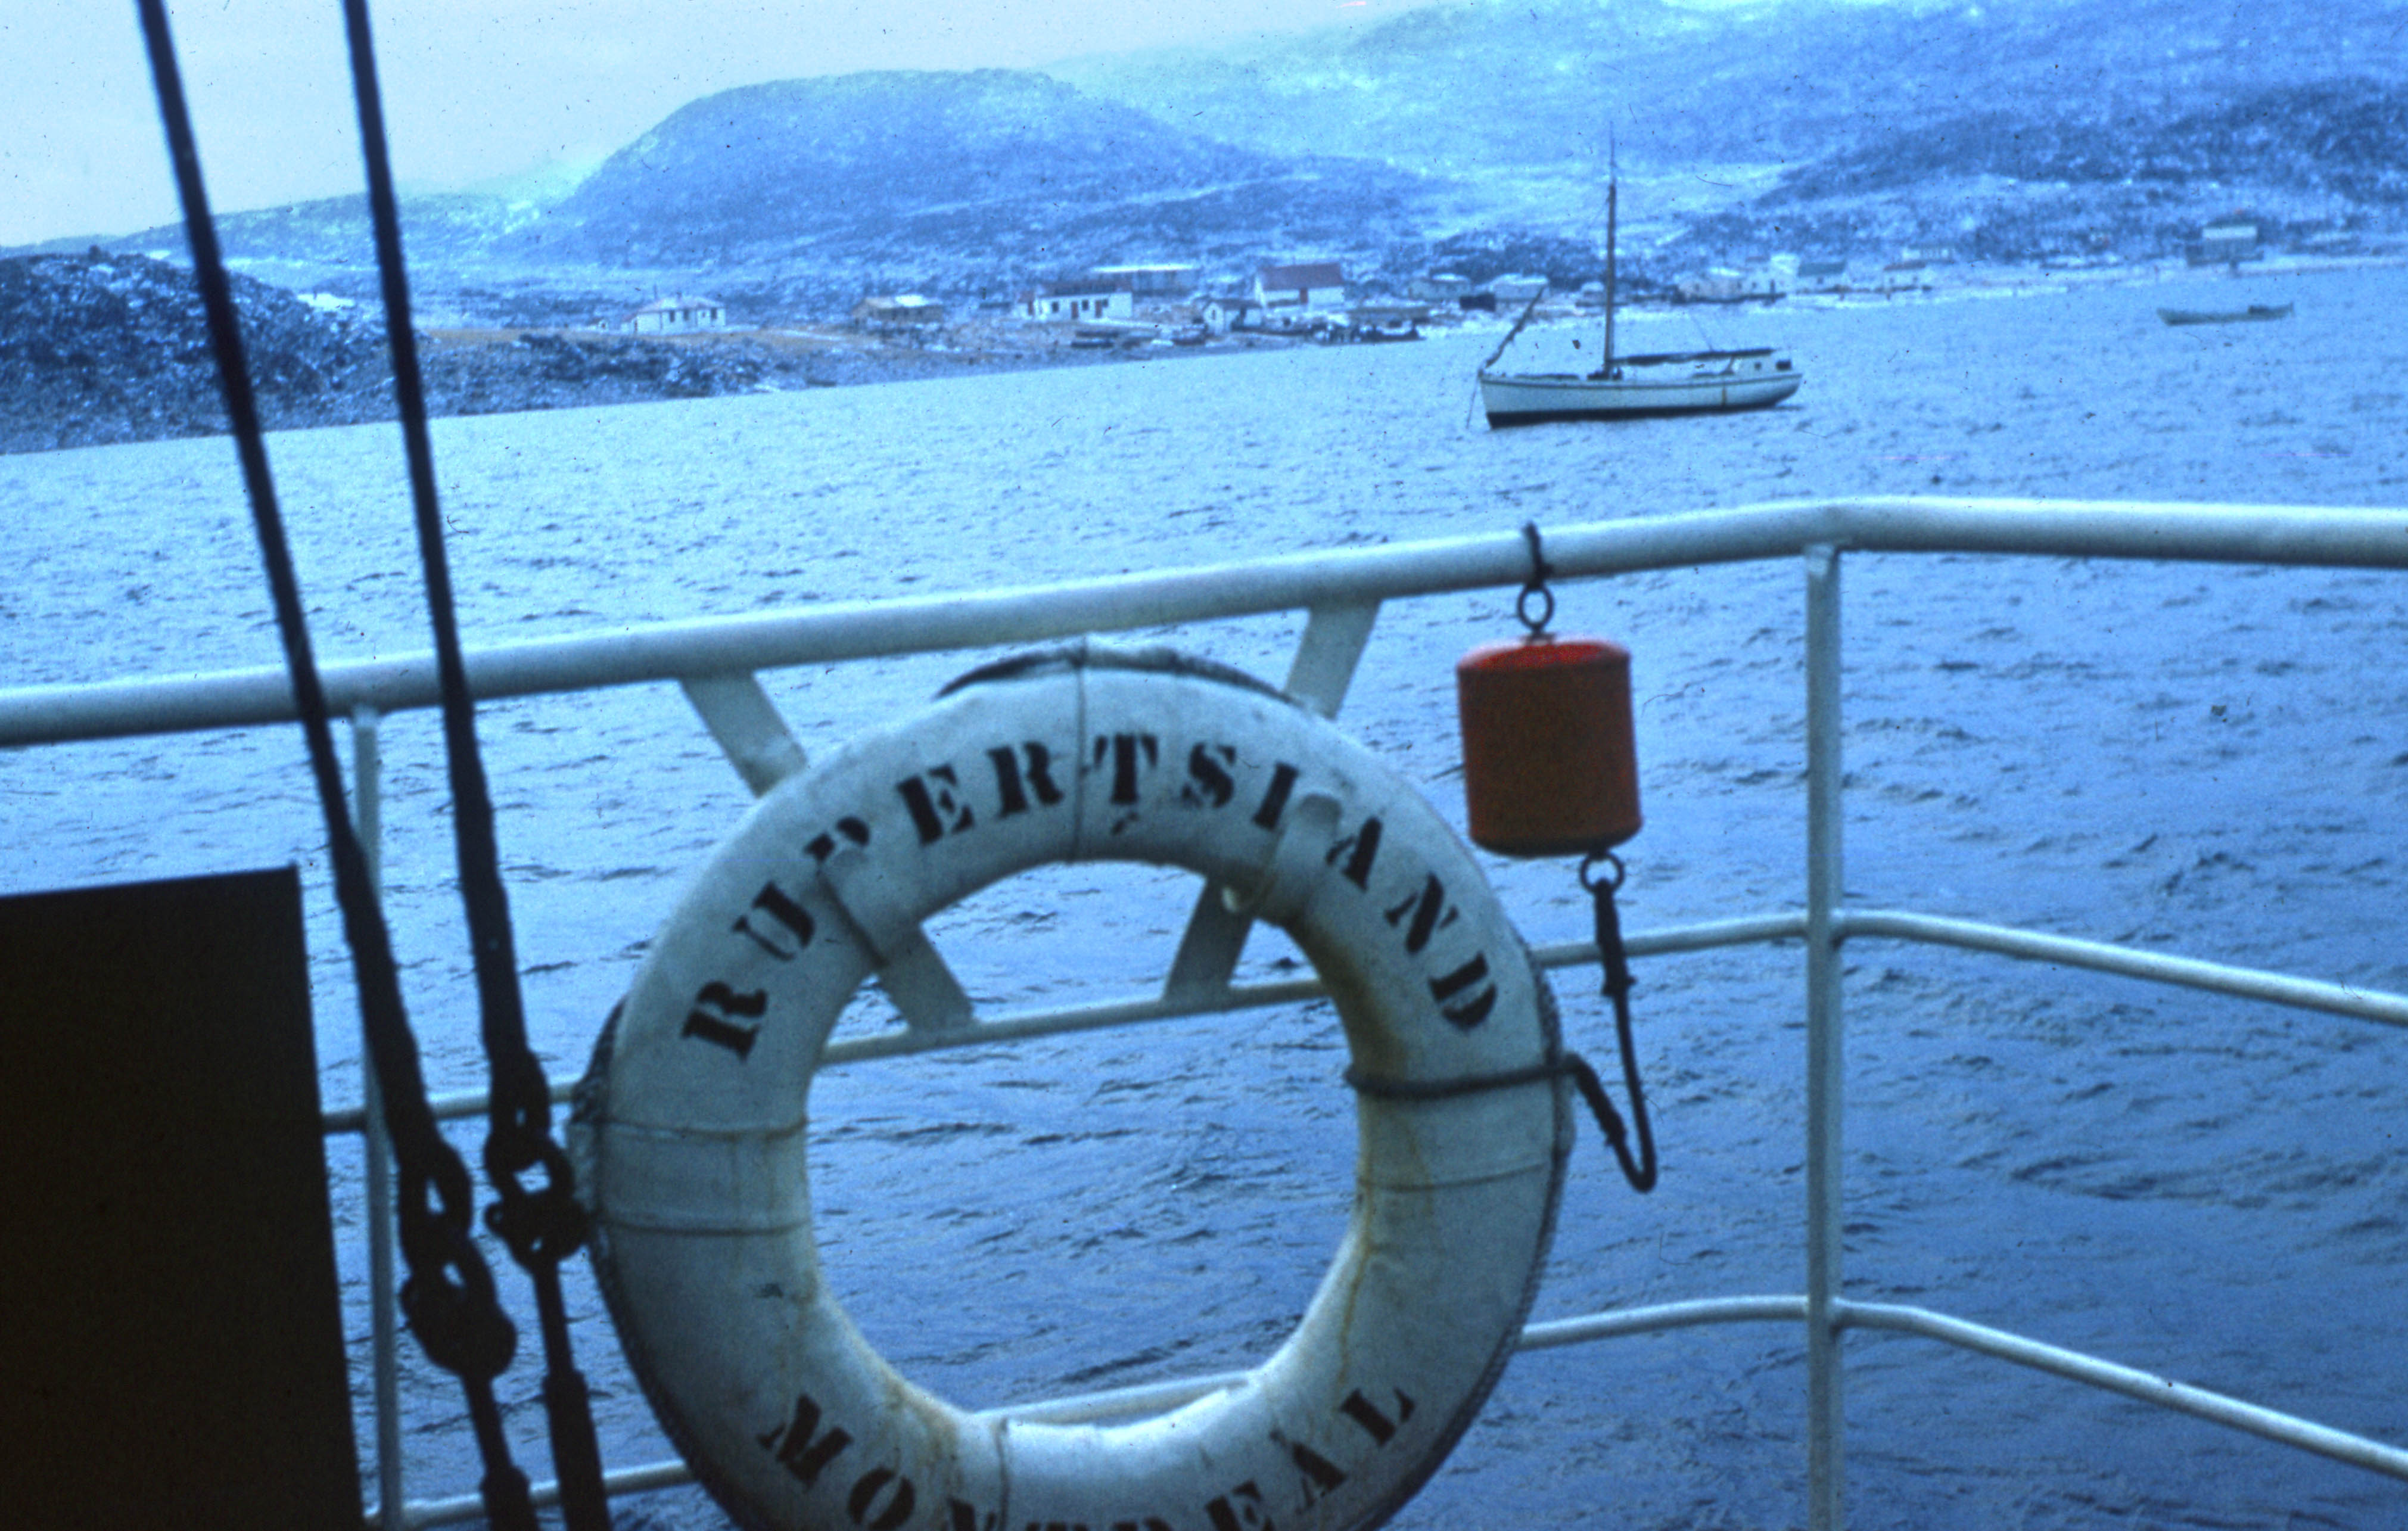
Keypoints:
pixel 480 89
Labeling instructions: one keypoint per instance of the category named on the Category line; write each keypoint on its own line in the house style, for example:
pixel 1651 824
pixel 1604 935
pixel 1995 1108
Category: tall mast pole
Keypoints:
pixel 1610 191
pixel 1612 194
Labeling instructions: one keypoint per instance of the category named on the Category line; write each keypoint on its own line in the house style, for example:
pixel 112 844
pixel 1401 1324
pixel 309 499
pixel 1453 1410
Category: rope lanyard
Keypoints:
pixel 449 1297
pixel 1536 608
pixel 1615 962
pixel 1640 1169
pixel 542 1224
pixel 1639 1172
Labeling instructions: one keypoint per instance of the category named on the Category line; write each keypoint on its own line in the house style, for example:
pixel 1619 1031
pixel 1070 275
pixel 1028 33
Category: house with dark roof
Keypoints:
pixel 1315 285
pixel 1155 280
pixel 903 309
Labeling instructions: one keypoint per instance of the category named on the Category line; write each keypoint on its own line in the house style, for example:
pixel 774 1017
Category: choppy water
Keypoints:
pixel 2199 760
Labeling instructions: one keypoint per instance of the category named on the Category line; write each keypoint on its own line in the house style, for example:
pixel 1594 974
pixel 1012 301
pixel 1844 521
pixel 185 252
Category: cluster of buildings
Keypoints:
pixel 1312 295
pixel 1279 296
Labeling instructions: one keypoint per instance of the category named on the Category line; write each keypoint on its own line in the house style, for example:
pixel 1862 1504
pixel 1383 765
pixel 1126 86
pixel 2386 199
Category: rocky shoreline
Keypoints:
pixel 106 348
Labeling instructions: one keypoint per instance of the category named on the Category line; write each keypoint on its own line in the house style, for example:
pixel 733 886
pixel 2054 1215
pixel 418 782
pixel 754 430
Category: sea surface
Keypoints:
pixel 2192 759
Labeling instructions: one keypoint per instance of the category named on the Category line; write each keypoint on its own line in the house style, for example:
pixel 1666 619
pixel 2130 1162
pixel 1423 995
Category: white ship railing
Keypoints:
pixel 715 661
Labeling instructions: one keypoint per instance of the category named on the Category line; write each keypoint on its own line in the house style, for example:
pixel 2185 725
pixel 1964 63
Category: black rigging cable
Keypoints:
pixel 542 1224
pixel 449 1297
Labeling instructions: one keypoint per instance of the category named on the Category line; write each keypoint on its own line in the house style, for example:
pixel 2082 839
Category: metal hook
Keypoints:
pixel 1610 860
pixel 1536 585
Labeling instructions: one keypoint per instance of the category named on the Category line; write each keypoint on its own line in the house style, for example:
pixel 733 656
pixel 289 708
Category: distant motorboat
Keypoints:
pixel 2225 316
pixel 1111 334
pixel 1374 325
pixel 1689 382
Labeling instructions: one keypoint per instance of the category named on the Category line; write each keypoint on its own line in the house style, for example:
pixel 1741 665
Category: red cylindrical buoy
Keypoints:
pixel 1550 766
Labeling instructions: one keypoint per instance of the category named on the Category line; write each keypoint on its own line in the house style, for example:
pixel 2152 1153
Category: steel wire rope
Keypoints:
pixel 542 1224
pixel 448 1296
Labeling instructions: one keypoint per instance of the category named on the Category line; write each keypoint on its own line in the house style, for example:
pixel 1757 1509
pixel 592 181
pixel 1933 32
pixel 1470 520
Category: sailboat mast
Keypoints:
pixel 1612 189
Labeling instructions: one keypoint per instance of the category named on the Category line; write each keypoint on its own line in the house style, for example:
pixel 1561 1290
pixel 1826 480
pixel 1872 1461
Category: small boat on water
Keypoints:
pixel 1689 382
pixel 2225 316
pixel 1111 336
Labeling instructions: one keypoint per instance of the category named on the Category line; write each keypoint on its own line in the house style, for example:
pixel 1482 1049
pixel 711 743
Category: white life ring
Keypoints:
pixel 689 1128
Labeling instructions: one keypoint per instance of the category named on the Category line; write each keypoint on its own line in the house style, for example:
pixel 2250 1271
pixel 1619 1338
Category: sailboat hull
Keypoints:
pixel 1703 384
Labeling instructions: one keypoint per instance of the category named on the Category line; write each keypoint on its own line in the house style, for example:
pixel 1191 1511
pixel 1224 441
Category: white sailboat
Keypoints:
pixel 1686 382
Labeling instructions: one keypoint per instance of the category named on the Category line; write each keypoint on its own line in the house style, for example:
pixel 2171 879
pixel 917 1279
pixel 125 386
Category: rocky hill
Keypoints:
pixel 440 228
pixel 792 200
pixel 1843 129
pixel 101 348
pixel 2331 139
pixel 2323 165
pixel 961 184
pixel 1493 83
pixel 1463 136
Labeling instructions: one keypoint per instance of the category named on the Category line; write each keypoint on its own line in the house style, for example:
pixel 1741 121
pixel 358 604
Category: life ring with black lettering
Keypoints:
pixel 689 1129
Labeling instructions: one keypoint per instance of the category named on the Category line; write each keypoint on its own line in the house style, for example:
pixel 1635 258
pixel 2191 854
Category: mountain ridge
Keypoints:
pixel 882 169
pixel 1465 136
pixel 1544 81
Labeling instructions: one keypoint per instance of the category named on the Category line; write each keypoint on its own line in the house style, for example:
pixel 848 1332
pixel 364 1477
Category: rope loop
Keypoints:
pixel 452 1308
pixel 543 1224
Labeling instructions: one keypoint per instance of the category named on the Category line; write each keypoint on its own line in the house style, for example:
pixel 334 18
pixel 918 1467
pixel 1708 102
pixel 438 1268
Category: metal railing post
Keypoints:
pixel 1325 657
pixel 1825 1054
pixel 384 1326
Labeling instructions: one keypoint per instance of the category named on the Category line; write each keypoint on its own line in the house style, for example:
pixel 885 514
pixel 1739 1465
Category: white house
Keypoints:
pixel 1317 284
pixel 2228 242
pixel 1083 299
pixel 1221 313
pixel 677 314
pixel 1722 284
